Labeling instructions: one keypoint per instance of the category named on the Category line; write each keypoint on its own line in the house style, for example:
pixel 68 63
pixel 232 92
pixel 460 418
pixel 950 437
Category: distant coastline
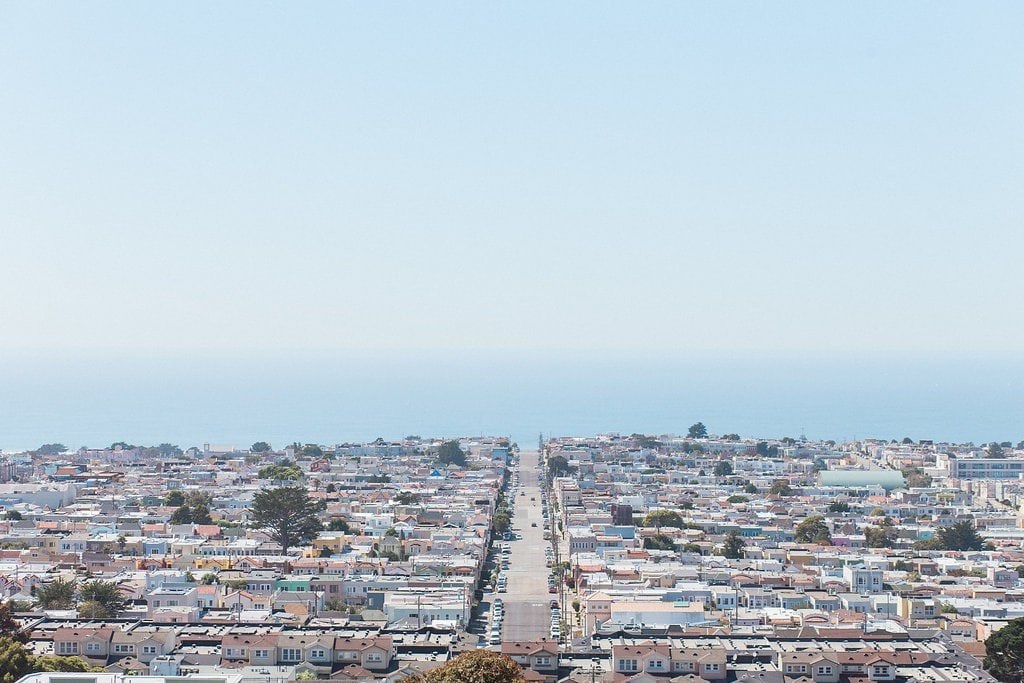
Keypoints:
pixel 93 399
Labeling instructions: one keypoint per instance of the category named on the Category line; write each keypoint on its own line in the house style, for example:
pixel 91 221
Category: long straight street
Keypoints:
pixel 527 601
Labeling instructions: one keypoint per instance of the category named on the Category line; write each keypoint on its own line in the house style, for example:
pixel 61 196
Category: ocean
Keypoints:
pixel 191 398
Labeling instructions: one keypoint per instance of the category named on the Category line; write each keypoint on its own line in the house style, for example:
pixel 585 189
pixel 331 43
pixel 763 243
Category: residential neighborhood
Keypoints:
pixel 607 558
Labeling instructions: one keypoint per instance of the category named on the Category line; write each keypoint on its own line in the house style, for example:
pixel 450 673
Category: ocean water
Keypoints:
pixel 93 399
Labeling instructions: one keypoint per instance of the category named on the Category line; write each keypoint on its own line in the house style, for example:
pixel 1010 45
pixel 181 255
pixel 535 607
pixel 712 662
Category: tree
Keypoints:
pixel 183 515
pixel 338 525
pixel 907 441
pixel 1004 652
pixel 280 473
pixel 781 487
pixel 58 594
pixel 449 453
pixel 288 515
pixel 995 450
pixel 475 666
pixel 750 488
pixel 765 451
pixel 659 542
pixel 13 516
pixel 915 477
pixel 501 521
pixel 961 536
pixel 840 506
pixel 15 661
pixel 174 499
pixel 733 547
pixel 407 498
pixel 730 437
pixel 558 466
pixel 880 536
pixel 660 518
pixel 813 530
pixel 737 499
pixel 103 593
pixel 168 450
pixel 51 449
pixel 697 431
pixel 723 468
pixel 10 626
pixel 260 447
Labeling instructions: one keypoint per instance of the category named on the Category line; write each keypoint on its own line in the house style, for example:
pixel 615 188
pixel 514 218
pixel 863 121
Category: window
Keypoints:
pixel 67 648
pixel 122 648
pixel 711 667
pixel 374 657
pixel 656 664
pixel 318 653
pixel 151 650
pixel 627 665
pixel 543 661
pixel 824 670
pixel 880 670
pixel 92 647
pixel 291 654
pixel 260 654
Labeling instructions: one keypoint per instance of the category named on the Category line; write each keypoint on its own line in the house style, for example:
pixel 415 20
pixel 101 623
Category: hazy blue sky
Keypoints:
pixel 646 176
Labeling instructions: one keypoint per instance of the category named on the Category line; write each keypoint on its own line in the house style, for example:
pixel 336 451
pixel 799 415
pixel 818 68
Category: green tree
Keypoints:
pixel 659 542
pixel 449 453
pixel 1004 652
pixel 287 514
pixel 814 529
pixel 781 487
pixel 961 536
pixel 475 666
pixel 407 498
pixel 730 437
pixel 51 449
pixel 338 525
pixel 558 466
pixel 723 468
pixel 697 431
pixel 62 664
pixel 260 447
pixel 103 593
pixel 183 515
pixel 750 488
pixel 174 499
pixel 880 536
pixel 15 661
pixel 168 450
pixel 280 473
pixel 839 506
pixel 915 477
pixel 501 521
pixel 58 594
pixel 660 518
pixel 995 450
pixel 737 499
pixel 10 626
pixel 13 516
pixel 733 547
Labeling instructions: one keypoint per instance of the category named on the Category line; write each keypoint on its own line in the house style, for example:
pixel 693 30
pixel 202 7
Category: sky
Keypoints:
pixel 652 177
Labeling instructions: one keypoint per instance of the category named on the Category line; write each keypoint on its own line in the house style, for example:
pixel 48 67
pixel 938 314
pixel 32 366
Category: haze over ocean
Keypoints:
pixel 97 398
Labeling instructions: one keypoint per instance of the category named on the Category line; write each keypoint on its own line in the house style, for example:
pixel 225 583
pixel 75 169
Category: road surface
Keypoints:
pixel 527 611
